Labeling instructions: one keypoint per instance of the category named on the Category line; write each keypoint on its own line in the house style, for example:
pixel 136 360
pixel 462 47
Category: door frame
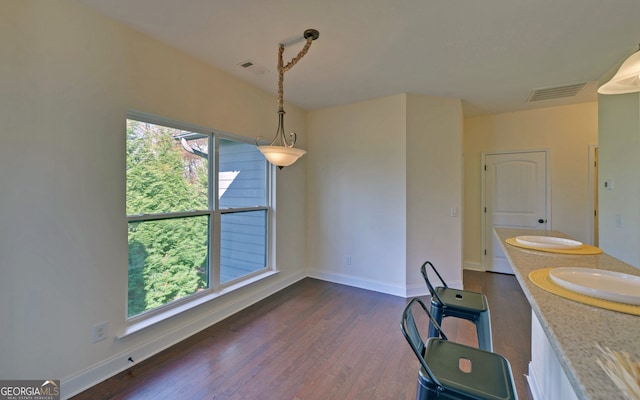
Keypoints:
pixel 483 155
pixel 592 193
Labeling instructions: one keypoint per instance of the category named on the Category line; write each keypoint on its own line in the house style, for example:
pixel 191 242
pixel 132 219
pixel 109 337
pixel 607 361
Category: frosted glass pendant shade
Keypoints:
pixel 627 79
pixel 281 156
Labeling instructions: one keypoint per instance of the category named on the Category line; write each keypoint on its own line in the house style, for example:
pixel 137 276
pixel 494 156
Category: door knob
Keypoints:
pixel 541 221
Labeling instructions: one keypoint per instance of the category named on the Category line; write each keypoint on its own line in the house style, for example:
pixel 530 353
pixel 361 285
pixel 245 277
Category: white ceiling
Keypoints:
pixel 489 53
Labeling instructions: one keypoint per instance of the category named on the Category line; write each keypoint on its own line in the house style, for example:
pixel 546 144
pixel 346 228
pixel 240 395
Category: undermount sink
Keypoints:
pixel 548 242
pixel 607 285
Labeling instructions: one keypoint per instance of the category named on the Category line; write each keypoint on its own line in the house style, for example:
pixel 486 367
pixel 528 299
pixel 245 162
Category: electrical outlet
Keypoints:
pixel 99 332
pixel 347 260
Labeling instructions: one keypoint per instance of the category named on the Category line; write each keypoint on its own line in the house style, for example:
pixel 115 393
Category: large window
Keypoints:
pixel 197 222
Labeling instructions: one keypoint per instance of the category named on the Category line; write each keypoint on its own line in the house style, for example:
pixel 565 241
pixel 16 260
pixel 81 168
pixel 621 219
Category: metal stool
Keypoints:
pixel 448 302
pixel 450 370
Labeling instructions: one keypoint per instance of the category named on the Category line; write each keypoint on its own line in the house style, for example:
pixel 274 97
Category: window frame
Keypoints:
pixel 215 288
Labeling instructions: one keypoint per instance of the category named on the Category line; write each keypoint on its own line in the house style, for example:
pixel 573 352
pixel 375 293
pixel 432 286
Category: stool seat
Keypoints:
pixel 489 375
pixel 450 370
pixel 464 304
pixel 463 300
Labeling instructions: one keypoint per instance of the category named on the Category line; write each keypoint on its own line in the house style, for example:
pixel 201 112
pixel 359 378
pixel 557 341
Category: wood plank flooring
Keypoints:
pixel 316 340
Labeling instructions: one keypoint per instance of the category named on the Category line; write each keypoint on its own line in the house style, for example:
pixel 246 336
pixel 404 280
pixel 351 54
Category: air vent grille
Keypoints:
pixel 556 92
pixel 253 67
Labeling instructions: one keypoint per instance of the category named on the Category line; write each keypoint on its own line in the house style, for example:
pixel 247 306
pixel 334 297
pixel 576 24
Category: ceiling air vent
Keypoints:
pixel 556 92
pixel 253 67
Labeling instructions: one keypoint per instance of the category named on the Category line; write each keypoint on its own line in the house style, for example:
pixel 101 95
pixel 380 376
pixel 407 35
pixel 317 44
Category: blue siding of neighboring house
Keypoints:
pixel 243 241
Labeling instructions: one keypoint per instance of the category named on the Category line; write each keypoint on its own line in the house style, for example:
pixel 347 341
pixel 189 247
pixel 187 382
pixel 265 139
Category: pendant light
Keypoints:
pixel 627 79
pixel 281 152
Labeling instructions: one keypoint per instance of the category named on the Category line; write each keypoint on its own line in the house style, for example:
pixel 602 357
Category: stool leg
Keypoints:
pixel 483 327
pixel 422 393
pixel 436 312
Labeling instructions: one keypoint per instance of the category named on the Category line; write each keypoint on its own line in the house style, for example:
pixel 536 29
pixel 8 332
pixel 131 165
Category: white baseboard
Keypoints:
pixel 376 286
pixel 473 266
pixel 416 291
pixel 77 383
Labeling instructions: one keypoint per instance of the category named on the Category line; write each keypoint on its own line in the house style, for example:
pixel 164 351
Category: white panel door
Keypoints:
pixel 515 189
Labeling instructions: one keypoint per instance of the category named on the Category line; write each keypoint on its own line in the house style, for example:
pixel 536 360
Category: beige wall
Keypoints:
pixel 356 188
pixel 434 187
pixel 566 131
pixel 68 78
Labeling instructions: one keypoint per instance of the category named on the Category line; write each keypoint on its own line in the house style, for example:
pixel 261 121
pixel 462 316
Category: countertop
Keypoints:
pixel 574 329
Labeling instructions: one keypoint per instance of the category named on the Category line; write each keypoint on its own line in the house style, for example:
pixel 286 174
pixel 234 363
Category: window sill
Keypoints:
pixel 138 326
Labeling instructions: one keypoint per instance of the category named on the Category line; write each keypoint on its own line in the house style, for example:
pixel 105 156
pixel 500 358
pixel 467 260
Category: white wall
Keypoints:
pixel 383 175
pixel 68 77
pixel 567 132
pixel 619 157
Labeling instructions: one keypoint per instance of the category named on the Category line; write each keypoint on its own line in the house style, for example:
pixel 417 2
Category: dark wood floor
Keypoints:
pixel 316 340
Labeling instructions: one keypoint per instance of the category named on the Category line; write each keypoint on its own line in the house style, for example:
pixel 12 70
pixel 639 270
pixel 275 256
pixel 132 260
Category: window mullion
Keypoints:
pixel 214 215
pixel 271 216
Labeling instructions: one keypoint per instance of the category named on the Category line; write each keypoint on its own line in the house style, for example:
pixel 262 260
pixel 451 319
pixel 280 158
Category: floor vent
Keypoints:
pixel 556 92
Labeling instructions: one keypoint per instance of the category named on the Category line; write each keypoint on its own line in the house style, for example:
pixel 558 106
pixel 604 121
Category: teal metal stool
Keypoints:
pixel 450 370
pixel 448 302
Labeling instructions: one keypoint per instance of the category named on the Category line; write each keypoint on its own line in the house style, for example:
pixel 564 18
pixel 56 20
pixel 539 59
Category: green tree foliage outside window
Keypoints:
pixel 168 255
